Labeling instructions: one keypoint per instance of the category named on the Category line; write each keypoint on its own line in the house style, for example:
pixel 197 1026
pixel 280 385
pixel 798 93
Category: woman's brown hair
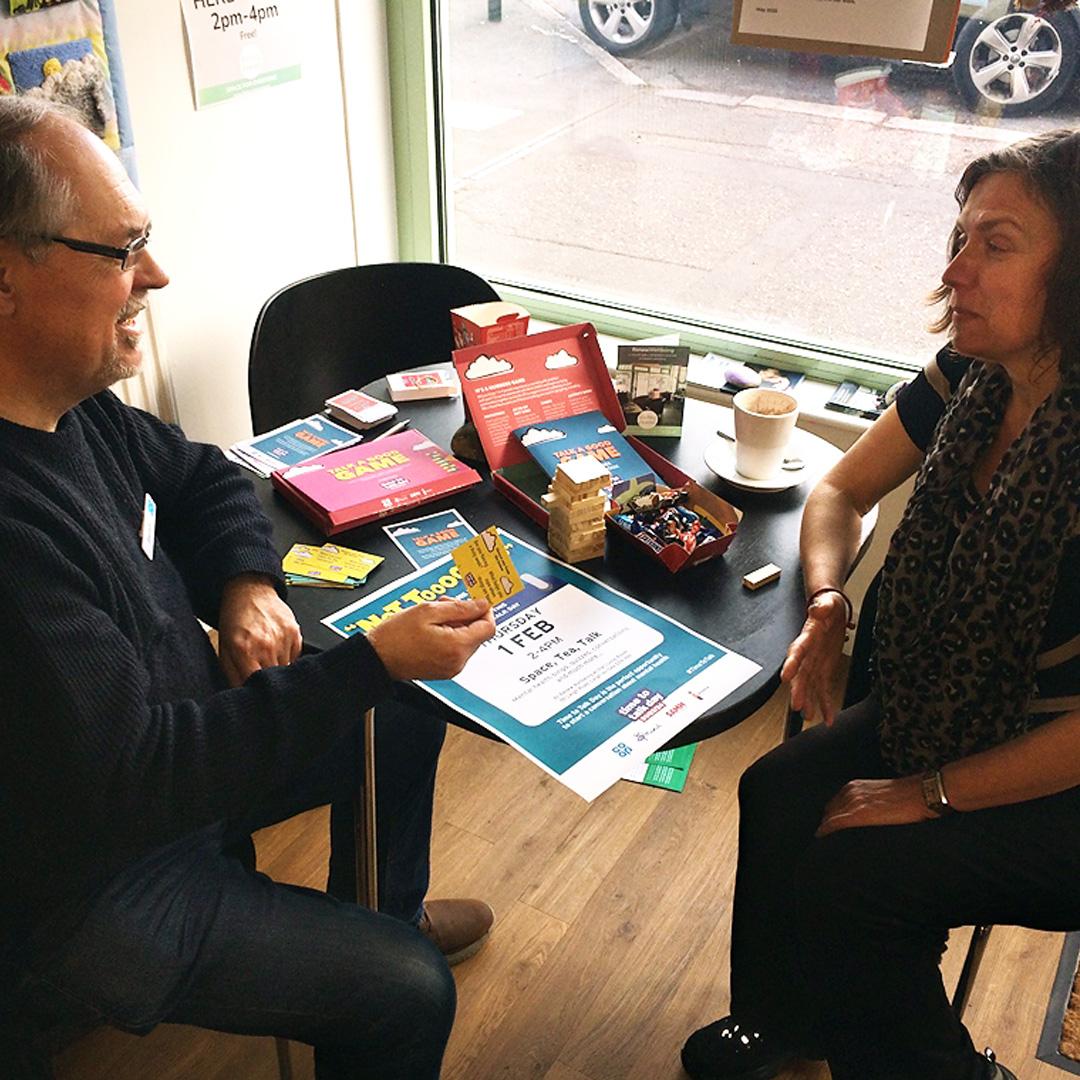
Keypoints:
pixel 1049 164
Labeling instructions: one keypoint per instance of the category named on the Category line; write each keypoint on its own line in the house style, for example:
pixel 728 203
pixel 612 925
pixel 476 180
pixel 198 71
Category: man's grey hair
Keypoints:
pixel 34 202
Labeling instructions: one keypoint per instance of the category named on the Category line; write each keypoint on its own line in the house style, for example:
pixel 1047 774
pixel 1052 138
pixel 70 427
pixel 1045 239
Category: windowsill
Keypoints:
pixel 840 429
pixel 621 326
pixel 812 395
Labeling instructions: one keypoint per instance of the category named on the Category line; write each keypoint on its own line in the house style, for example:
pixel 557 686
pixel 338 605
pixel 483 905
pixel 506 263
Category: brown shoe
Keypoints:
pixel 457 927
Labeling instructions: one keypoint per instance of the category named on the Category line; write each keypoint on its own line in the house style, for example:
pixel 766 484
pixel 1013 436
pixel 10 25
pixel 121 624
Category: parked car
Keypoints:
pixel 1012 60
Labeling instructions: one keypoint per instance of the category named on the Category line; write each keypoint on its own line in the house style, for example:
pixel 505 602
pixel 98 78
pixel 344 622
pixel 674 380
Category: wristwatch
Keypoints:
pixel 933 793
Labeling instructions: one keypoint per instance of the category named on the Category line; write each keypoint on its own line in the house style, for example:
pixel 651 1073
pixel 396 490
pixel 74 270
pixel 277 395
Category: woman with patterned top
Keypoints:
pixel 951 795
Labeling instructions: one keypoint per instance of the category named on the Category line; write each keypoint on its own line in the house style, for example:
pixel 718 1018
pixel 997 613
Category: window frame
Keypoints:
pixel 414 49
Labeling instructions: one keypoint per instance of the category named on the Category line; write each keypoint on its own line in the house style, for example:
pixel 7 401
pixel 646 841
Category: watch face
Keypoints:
pixel 930 793
pixel 933 790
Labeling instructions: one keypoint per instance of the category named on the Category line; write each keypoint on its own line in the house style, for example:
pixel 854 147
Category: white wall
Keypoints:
pixel 251 194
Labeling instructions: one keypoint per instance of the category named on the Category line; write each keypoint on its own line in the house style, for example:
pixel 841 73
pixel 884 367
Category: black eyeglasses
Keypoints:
pixel 126 255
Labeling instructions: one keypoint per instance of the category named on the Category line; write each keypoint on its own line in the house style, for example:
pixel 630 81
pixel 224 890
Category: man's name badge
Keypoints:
pixel 149 525
pixel 486 570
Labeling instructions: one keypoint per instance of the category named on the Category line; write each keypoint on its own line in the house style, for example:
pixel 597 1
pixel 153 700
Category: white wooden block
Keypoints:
pixel 763 575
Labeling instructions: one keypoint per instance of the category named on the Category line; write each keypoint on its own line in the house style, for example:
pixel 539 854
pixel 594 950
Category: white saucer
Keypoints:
pixel 720 457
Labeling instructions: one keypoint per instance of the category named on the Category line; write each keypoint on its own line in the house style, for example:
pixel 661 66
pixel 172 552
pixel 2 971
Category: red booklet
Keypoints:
pixel 351 487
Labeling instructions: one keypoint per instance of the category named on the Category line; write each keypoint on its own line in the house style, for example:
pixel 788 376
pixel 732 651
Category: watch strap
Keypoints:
pixel 933 791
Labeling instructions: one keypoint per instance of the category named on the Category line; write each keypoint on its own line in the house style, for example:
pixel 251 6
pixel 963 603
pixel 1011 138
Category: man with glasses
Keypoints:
pixel 134 764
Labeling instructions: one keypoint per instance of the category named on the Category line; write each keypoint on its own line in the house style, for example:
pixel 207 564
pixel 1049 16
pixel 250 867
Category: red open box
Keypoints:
pixel 543 377
pixel 495 320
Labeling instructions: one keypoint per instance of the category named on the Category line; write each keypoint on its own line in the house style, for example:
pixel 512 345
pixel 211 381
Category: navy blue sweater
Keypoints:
pixel 117 732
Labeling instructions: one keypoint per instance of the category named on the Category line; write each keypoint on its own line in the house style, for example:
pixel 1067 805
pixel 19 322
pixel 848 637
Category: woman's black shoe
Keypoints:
pixel 997 1070
pixel 726 1050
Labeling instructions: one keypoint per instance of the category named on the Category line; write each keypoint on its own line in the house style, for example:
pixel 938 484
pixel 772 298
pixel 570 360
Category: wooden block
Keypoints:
pixel 576 538
pixel 763 575
pixel 582 509
pixel 578 555
pixel 567 494
pixel 562 521
pixel 582 471
pixel 571 541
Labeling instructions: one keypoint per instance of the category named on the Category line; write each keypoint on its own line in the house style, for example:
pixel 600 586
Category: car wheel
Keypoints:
pixel 628 27
pixel 1020 63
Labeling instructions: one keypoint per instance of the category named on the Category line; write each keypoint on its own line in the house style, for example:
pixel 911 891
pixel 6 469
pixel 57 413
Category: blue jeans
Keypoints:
pixel 191 934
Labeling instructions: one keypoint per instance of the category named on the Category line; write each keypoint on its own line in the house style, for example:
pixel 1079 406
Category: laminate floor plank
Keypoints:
pixel 494 981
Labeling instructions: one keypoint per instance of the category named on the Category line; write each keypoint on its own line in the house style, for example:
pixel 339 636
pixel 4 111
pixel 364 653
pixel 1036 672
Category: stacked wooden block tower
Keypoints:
pixel 575 509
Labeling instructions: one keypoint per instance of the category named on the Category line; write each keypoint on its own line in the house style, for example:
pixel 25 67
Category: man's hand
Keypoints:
pixel 875 802
pixel 813 658
pixel 256 628
pixel 432 641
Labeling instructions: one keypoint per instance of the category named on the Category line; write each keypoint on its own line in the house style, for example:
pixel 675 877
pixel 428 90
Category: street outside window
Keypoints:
pixel 628 153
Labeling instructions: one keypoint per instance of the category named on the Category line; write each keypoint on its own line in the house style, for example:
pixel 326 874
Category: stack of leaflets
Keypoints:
pixel 708 376
pixel 352 487
pixel 328 567
pixel 856 400
pixel 291 444
pixel 417 385
pixel 359 410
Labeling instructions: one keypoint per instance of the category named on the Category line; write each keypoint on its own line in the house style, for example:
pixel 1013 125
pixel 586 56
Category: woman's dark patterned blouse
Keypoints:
pixel 920 406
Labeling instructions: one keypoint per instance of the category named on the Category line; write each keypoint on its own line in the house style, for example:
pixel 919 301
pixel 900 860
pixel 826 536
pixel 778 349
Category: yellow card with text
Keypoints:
pixel 486 570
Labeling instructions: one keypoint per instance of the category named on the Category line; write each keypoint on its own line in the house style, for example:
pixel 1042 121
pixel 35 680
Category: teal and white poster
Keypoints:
pixel 583 680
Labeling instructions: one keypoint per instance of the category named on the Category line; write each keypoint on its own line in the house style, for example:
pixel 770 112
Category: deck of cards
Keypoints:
pixel 327 567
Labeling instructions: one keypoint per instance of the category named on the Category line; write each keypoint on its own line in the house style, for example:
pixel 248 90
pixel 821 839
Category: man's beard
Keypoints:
pixel 115 369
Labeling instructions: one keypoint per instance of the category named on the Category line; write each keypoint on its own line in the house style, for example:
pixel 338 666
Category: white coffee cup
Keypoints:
pixel 764 421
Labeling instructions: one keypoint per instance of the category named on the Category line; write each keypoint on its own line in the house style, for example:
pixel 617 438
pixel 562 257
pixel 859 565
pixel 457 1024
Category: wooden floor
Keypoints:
pixel 612 937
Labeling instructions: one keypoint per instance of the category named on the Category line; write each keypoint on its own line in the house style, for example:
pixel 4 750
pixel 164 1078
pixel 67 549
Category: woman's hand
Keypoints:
pixel 814 656
pixel 875 802
pixel 256 628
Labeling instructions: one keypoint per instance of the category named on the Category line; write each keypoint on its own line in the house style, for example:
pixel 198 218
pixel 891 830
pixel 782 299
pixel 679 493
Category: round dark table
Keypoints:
pixel 709 598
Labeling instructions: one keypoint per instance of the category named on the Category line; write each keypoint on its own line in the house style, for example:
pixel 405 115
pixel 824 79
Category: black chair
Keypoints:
pixel 339 330
pixel 857 689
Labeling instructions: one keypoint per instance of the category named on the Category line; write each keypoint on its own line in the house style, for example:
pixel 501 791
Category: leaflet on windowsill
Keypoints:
pixel 584 681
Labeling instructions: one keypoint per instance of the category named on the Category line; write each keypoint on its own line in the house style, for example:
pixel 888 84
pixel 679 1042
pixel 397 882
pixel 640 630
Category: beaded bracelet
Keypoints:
pixel 847 600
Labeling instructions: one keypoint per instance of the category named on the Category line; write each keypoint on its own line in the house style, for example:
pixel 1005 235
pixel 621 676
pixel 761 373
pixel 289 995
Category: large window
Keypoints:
pixel 611 152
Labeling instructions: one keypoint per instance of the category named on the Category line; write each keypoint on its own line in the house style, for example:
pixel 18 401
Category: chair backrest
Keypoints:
pixel 341 329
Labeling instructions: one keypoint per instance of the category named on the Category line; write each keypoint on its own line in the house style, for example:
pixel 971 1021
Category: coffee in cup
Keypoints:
pixel 764 421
